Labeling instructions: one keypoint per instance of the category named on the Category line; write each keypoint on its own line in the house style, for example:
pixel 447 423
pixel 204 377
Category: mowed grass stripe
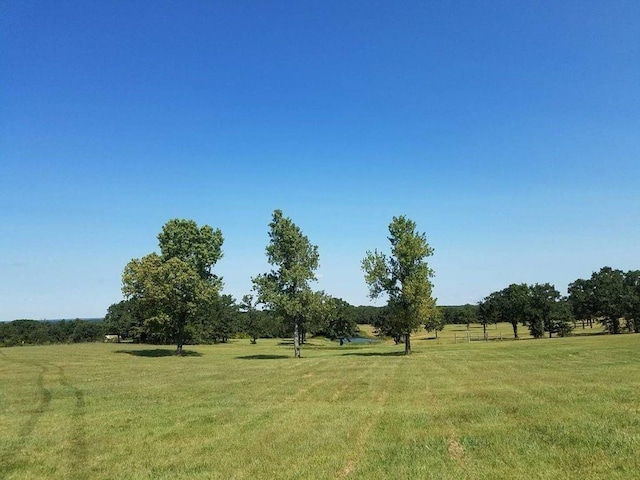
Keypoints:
pixel 560 408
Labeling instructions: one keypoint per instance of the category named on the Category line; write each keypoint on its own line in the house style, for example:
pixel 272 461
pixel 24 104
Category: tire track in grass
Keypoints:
pixel 380 399
pixel 78 451
pixel 12 455
pixel 339 392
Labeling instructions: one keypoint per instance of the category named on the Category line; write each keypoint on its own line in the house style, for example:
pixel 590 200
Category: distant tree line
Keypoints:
pixel 539 307
pixel 610 297
pixel 39 332
pixel 459 314
pixel 226 319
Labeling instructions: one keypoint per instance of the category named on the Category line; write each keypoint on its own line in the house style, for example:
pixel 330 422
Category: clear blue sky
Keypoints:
pixel 508 130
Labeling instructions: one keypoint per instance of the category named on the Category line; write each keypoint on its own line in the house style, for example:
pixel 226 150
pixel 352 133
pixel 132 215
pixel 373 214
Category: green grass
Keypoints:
pixel 560 408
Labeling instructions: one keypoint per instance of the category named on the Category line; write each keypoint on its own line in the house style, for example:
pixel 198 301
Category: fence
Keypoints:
pixel 474 337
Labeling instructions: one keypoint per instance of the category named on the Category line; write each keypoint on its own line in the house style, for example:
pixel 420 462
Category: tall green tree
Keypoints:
pixel 609 296
pixel 488 310
pixel 340 321
pixel 122 319
pixel 387 324
pixel 608 289
pixel 404 276
pixel 582 301
pixel 200 248
pixel 286 288
pixel 316 314
pixel 632 300
pixel 435 322
pixel 513 303
pixel 548 311
pixel 174 287
pixel 220 321
pixel 251 321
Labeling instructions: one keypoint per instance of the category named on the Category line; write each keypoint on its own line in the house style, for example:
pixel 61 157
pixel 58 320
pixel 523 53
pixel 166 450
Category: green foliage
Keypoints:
pixel 609 296
pixel 251 322
pixel 631 300
pixel 547 311
pixel 511 305
pixel 459 314
pixel 404 277
pixel 387 324
pixel 488 311
pixel 340 320
pixel 220 321
pixel 122 319
pixel 285 289
pixel 435 322
pixel 581 301
pixel 366 314
pixel 34 332
pixel 173 290
pixel 540 307
pixel 201 248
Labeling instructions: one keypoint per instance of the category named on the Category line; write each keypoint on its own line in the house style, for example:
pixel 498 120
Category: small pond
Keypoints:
pixel 359 340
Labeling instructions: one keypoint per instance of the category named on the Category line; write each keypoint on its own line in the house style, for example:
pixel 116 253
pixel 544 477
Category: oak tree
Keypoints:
pixel 173 288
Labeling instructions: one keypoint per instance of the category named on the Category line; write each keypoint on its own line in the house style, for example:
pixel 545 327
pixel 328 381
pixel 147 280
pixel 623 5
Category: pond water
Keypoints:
pixel 360 340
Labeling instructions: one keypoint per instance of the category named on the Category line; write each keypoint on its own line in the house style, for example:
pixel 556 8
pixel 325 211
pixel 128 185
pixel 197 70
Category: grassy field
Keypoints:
pixel 560 408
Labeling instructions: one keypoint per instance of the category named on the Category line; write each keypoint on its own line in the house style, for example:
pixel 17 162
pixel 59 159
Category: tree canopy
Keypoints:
pixel 404 276
pixel 286 288
pixel 609 296
pixel 172 288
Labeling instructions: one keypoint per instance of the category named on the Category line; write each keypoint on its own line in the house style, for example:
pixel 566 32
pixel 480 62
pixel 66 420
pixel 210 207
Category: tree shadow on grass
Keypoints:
pixel 305 344
pixel 377 354
pixel 588 334
pixel 262 357
pixel 159 352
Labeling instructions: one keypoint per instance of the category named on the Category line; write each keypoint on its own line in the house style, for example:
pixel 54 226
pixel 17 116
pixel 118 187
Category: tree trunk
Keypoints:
pixel 515 329
pixel 616 325
pixel 407 344
pixel 436 333
pixel 180 338
pixel 296 339
pixel 484 330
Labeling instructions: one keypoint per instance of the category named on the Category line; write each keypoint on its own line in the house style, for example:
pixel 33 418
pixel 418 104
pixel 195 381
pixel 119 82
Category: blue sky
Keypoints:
pixel 509 131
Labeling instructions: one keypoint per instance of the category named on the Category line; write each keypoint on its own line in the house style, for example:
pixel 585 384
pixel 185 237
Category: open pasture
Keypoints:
pixel 560 408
